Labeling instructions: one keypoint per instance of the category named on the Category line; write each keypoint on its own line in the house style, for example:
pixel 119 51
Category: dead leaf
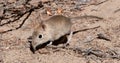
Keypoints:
pixel 59 10
pixel 48 10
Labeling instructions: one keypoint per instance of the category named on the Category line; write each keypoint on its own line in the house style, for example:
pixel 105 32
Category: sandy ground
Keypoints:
pixel 14 47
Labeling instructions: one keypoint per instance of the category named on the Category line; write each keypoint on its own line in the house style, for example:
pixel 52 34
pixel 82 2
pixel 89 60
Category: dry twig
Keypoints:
pixel 20 15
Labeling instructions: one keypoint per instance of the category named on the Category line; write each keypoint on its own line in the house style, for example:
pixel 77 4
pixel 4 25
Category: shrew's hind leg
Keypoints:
pixel 69 39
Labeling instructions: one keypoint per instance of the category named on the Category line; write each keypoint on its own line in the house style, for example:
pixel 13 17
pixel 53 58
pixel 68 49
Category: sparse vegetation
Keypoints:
pixel 98 45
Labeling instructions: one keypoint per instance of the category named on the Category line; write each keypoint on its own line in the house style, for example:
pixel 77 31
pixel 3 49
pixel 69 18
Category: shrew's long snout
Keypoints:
pixel 31 44
pixel 32 48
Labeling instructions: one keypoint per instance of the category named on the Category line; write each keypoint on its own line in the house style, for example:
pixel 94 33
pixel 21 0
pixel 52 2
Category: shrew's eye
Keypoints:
pixel 40 36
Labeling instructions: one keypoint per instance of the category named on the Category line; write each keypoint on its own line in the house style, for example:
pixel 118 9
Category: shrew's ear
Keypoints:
pixel 43 25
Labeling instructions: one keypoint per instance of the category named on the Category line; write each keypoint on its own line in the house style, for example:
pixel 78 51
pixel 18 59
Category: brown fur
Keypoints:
pixel 51 29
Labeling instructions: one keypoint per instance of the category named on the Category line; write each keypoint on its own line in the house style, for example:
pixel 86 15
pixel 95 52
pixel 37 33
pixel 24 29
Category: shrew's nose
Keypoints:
pixel 29 39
